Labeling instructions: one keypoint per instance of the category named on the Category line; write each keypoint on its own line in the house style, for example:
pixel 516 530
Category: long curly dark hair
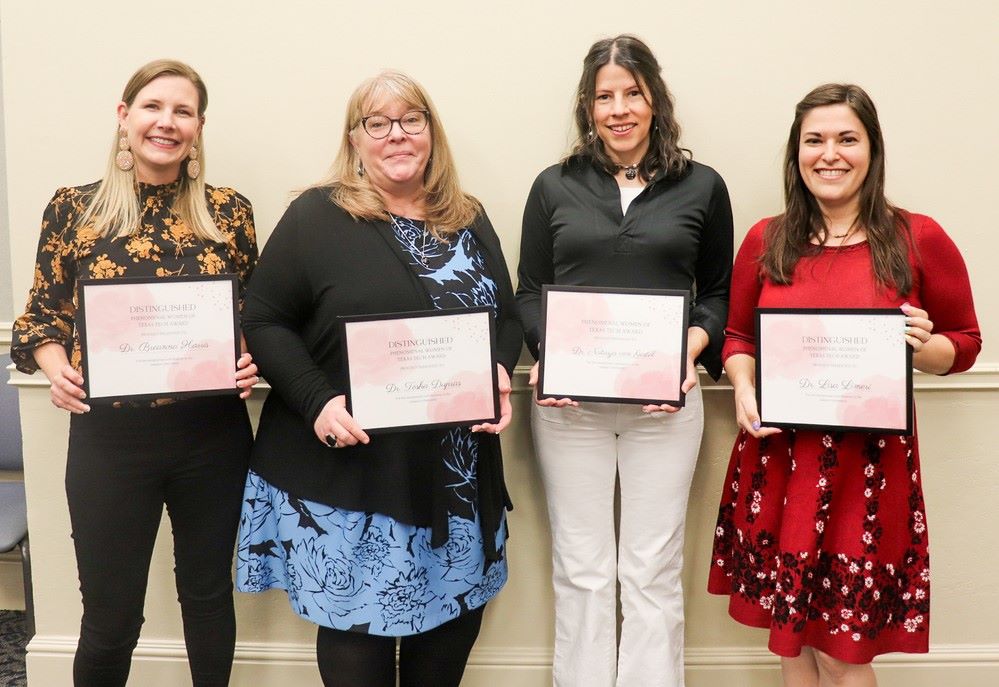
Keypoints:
pixel 664 153
pixel 800 229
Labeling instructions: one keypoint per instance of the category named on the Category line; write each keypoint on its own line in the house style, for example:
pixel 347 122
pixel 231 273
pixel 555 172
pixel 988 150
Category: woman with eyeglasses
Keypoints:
pixel 626 208
pixel 397 535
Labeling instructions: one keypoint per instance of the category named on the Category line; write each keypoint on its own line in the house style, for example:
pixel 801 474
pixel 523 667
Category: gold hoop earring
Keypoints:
pixel 193 166
pixel 124 159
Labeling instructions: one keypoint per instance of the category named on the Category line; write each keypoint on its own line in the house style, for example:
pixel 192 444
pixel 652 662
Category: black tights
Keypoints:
pixel 124 465
pixel 431 659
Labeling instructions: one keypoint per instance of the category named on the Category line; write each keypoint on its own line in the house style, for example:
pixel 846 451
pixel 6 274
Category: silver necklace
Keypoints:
pixel 630 171
pixel 423 239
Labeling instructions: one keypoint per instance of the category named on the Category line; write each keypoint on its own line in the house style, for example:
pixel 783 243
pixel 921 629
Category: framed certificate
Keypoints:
pixel 835 369
pixel 421 370
pixel 145 338
pixel 613 345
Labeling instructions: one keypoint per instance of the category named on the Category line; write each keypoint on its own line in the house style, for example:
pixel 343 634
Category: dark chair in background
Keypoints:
pixel 13 506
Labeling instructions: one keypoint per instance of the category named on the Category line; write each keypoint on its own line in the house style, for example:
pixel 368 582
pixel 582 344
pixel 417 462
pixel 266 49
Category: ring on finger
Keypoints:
pixel 332 441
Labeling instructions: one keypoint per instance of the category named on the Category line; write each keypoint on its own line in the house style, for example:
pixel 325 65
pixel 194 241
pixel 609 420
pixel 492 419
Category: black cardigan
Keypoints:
pixel 320 263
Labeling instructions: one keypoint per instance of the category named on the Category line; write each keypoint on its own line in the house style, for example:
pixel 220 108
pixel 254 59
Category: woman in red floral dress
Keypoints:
pixel 821 536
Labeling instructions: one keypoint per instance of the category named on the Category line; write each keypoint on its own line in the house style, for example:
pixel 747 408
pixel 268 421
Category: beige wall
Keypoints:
pixel 502 76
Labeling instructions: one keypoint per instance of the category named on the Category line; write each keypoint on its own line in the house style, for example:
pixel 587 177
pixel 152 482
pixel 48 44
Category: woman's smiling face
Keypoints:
pixel 622 117
pixel 162 124
pixel 834 155
pixel 396 163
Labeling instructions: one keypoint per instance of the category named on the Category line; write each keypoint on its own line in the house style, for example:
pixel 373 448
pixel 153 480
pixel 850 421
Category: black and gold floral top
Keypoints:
pixel 163 246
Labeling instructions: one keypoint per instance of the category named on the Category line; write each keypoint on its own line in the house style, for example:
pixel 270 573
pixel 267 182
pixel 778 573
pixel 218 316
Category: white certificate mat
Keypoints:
pixel 834 369
pixel 421 370
pixel 144 338
pixel 613 345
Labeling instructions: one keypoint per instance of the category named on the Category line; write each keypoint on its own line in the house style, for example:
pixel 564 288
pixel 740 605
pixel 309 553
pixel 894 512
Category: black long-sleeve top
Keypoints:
pixel 677 234
pixel 320 263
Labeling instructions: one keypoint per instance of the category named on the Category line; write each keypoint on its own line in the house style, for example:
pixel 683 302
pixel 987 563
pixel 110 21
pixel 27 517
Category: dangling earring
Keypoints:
pixel 124 159
pixel 360 168
pixel 193 166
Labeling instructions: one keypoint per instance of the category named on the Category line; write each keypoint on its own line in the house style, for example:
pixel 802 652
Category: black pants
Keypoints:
pixel 431 659
pixel 124 465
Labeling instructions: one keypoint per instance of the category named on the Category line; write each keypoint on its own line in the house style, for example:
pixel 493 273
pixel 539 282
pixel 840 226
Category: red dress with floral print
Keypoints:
pixel 821 537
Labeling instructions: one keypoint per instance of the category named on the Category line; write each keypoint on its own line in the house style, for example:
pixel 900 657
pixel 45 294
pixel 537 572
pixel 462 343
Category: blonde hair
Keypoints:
pixel 447 208
pixel 115 208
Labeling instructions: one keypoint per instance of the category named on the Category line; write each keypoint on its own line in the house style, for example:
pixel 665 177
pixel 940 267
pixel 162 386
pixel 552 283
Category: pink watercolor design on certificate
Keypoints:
pixel 211 367
pixel 474 401
pixel 372 361
pixel 655 377
pixel 783 355
pixel 887 409
pixel 108 321
pixel 567 316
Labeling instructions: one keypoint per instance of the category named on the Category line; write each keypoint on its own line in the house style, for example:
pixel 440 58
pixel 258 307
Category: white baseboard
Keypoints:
pixel 163 662
pixel 276 652
pixel 943 654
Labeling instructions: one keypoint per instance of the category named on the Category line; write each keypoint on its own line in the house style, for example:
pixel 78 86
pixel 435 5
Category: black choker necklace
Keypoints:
pixel 630 171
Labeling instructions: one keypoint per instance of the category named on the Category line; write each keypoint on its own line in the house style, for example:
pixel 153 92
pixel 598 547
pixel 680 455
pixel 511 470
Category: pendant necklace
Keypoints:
pixel 630 171
pixel 423 239
pixel 849 231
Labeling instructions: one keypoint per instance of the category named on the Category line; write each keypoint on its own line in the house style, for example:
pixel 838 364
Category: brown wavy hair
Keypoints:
pixel 800 230
pixel 664 154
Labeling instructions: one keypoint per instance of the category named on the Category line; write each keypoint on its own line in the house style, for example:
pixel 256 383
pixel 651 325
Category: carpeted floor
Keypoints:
pixel 13 639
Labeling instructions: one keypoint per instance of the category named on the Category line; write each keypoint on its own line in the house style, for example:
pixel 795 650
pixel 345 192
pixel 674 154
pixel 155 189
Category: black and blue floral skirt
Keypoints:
pixel 363 572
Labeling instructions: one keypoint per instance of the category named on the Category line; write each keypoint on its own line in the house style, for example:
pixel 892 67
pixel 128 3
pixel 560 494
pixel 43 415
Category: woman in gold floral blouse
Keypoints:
pixel 152 215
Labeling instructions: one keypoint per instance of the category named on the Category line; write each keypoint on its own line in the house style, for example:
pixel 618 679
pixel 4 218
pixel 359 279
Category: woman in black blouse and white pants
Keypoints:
pixel 626 209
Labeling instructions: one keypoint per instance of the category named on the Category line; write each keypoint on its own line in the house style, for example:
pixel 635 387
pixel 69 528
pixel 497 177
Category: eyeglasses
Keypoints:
pixel 380 126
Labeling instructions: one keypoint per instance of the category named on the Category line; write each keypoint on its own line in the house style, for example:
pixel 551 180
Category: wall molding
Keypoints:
pixel 956 655
pixel 981 377
pixel 53 646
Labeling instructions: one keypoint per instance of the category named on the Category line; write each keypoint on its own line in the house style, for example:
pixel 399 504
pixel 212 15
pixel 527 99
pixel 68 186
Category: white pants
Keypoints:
pixel 579 451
